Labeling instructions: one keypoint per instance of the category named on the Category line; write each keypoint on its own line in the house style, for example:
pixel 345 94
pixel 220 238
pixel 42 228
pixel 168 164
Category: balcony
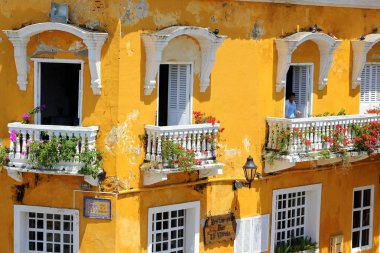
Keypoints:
pixel 199 138
pixel 24 134
pixel 315 130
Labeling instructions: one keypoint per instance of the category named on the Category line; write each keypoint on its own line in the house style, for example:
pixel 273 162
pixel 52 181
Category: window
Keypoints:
pixel 174 228
pixel 59 88
pixel 362 217
pixel 299 81
pixel 43 229
pixel 175 88
pixel 370 87
pixel 295 214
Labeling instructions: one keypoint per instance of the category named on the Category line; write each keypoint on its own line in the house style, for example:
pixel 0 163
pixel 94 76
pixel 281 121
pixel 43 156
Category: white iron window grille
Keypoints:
pixel 168 231
pixel 174 228
pixel 290 216
pixel 362 218
pixel 295 214
pixel 50 233
pixel 44 229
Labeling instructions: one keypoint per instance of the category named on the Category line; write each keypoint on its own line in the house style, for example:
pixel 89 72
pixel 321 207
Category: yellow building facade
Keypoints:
pixel 125 78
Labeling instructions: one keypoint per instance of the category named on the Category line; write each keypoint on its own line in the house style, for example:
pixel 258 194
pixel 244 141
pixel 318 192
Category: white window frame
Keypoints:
pixel 192 223
pixel 360 106
pixel 369 246
pixel 313 209
pixel 37 84
pixel 191 87
pixel 311 86
pixel 21 218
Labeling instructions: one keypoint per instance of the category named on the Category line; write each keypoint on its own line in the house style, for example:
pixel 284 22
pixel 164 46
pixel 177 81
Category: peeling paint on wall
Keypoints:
pixel 121 138
pixel 183 49
pixel 134 12
pixel 76 47
pixel 258 30
pixel 168 19
pixel 247 144
pixel 130 52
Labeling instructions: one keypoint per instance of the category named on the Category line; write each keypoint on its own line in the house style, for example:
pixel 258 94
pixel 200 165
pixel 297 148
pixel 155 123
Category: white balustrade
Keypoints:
pixel 313 129
pixel 27 133
pixel 201 138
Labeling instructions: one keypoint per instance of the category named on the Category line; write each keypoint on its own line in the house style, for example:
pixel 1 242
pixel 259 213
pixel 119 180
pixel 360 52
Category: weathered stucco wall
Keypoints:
pixel 241 95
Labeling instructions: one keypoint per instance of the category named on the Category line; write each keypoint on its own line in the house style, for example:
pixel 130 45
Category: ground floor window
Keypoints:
pixel 174 228
pixel 295 214
pixel 362 218
pixel 44 229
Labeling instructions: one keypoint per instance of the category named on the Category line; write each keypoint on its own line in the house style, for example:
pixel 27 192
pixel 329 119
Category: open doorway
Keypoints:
pixel 59 88
pixel 299 80
pixel 174 96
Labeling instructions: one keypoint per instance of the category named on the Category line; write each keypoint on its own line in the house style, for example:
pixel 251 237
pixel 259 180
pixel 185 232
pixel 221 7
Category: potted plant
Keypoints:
pixel 299 245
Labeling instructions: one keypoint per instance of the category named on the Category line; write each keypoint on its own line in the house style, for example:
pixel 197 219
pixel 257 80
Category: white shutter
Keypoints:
pixel 301 87
pixel 252 234
pixel 370 87
pixel 243 236
pixel 179 95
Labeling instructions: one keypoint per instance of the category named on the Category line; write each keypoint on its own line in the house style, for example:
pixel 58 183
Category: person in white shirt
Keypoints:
pixel 291 107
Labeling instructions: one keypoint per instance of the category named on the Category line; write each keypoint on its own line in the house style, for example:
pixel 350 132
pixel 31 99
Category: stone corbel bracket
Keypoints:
pixel 155 43
pixel 286 46
pixel 93 40
pixel 360 50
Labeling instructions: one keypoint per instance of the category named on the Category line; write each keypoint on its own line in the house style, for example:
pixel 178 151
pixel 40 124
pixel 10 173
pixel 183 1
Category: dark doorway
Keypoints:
pixel 60 93
pixel 163 95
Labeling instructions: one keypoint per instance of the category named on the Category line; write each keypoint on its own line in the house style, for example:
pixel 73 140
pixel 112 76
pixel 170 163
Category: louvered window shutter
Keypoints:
pixel 370 87
pixel 179 95
pixel 252 234
pixel 243 236
pixel 300 86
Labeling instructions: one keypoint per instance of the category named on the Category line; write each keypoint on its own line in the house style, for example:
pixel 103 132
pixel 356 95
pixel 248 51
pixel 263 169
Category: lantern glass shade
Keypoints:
pixel 250 170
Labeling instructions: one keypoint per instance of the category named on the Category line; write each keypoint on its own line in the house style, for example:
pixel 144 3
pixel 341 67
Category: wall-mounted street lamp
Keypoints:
pixel 250 173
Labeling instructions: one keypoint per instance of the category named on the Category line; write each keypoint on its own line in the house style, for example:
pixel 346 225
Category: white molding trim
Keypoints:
pixel 286 46
pixel 364 4
pixel 360 50
pixel 20 223
pixel 156 42
pixel 313 194
pixel 93 40
pixel 192 221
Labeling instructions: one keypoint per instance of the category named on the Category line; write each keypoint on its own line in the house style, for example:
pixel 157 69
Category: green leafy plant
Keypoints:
pixel 92 160
pixel 4 156
pixel 296 245
pixel 46 153
pixel 176 156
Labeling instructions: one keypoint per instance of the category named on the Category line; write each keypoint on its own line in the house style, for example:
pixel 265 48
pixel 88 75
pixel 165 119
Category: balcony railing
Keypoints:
pixel 25 133
pixel 314 129
pixel 201 138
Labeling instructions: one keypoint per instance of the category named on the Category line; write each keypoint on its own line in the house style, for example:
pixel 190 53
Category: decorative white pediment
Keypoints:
pixel 156 42
pixel 360 49
pixel 286 46
pixel 93 40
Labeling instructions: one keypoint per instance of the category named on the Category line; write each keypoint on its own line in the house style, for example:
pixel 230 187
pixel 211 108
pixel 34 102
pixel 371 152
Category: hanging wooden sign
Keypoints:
pixel 220 228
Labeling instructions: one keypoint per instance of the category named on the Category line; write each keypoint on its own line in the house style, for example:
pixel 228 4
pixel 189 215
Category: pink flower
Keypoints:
pixel 26 116
pixel 13 135
pixel 22 152
pixel 6 158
